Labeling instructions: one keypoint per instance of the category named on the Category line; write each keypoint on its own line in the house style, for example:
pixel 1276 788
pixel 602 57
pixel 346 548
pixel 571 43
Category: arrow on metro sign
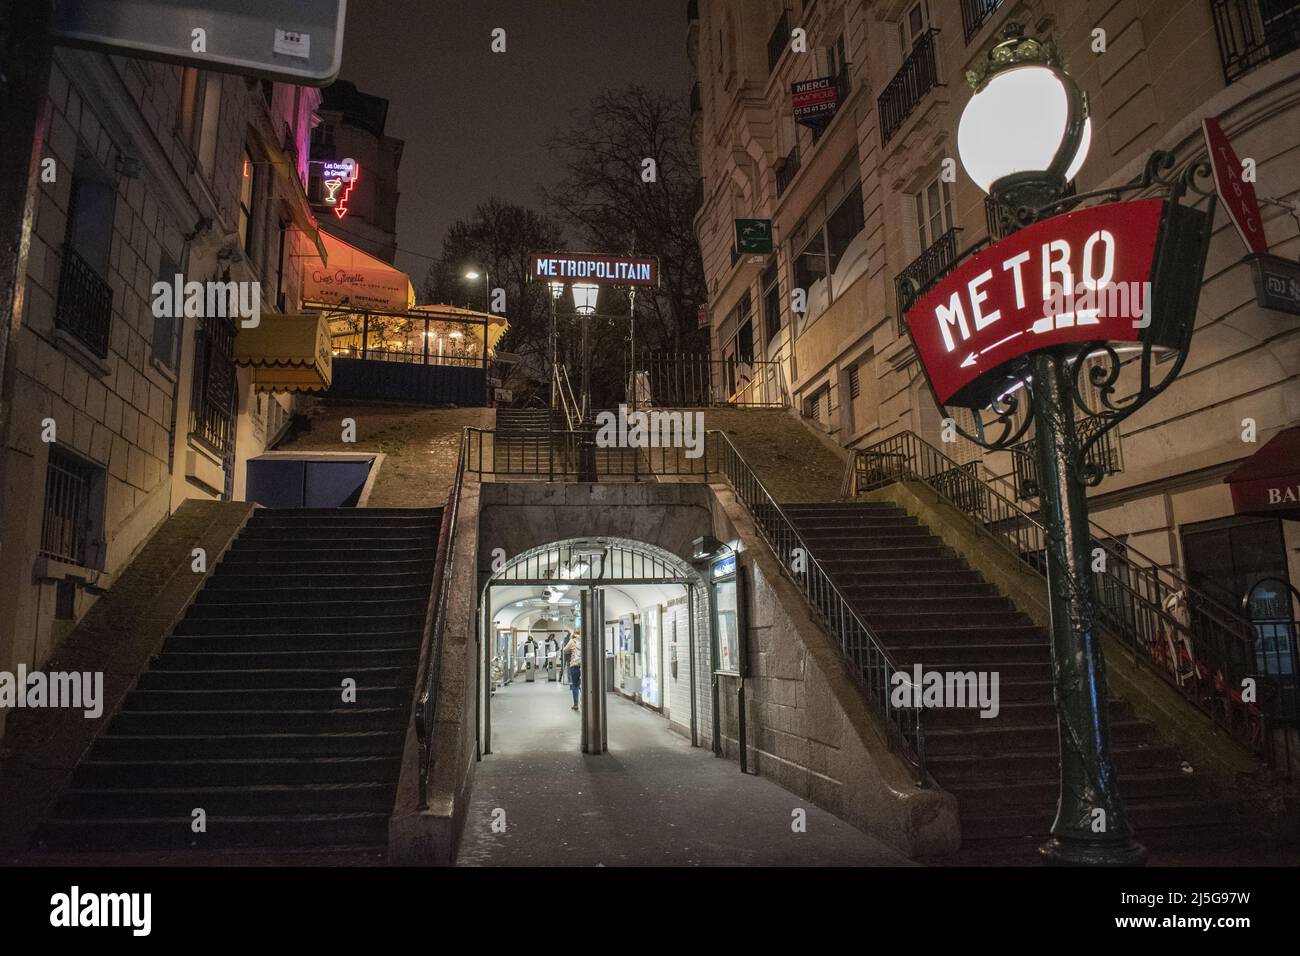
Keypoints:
pixel 1080 277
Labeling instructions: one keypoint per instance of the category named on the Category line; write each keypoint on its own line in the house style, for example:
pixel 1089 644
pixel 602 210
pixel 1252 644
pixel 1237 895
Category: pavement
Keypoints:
pixel 652 800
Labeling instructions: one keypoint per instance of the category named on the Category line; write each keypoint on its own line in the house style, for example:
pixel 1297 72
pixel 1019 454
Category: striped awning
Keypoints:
pixel 287 353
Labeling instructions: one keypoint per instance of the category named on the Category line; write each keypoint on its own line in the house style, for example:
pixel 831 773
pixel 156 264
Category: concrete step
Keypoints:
pixel 923 617
pixel 334 661
pixel 951 769
pixel 986 796
pixel 266 678
pixel 1006 740
pixel 328 554
pixel 251 771
pixel 243 577
pixel 882 601
pixel 1011 713
pixel 266 699
pixel 403 597
pixel 266 800
pixel 193 723
pixel 1144 817
pixel 258 605
pixel 243 621
pixel 275 539
pixel 290 830
pixel 258 643
pixel 1009 672
pixel 115 747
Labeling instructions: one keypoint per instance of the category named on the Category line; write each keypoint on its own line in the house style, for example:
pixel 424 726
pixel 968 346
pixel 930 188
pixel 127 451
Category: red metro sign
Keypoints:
pixel 1079 277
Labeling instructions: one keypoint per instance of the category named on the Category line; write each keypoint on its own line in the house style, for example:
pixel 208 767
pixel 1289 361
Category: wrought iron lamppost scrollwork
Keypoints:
pixel 1021 81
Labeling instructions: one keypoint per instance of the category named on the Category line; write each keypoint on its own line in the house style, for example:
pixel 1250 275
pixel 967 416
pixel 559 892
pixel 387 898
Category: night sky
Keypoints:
pixel 475 122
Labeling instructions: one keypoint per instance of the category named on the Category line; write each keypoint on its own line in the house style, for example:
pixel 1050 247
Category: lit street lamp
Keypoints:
pixel 1022 138
pixel 472 275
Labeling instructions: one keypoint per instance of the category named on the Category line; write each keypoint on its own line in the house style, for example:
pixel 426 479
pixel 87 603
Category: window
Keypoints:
pixel 855 383
pixel 166 325
pixel 72 525
pixel 206 149
pixel 825 234
pixel 933 212
pixel 212 404
pixel 323 135
pixel 741 319
pixel 247 196
pixel 189 117
pixel 819 403
pixel 85 303
pixel 771 302
pixel 913 25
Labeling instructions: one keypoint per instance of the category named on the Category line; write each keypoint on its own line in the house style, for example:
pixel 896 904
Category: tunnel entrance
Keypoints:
pixel 574 627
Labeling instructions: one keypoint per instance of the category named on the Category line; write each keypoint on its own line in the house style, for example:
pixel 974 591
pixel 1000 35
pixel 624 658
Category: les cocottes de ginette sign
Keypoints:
pixel 1079 277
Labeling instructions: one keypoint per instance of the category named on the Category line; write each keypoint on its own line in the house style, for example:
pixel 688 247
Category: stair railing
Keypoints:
pixel 1197 645
pixel 870 665
pixel 426 704
pixel 568 402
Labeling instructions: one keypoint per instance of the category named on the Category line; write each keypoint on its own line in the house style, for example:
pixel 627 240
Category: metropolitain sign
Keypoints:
pixel 1089 275
pixel 593 267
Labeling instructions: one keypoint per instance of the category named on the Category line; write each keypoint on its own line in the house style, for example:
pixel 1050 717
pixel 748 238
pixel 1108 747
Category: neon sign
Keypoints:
pixel 337 178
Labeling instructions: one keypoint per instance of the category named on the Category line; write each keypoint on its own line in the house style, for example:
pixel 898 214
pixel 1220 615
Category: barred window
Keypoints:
pixel 72 521
pixel 855 385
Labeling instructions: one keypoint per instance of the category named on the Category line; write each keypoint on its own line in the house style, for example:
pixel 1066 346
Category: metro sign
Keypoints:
pixel 593 267
pixel 1079 277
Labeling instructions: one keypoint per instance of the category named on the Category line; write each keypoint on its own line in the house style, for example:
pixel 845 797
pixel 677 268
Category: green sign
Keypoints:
pixel 753 236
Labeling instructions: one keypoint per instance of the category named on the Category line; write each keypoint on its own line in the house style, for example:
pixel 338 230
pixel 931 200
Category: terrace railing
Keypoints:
pixel 924 271
pixel 918 75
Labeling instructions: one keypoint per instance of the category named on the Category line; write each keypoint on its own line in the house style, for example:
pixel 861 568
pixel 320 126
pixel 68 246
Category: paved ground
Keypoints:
pixel 653 800
pixel 793 463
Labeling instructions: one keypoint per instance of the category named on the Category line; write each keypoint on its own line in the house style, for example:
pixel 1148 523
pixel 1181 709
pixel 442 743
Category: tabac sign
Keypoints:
pixel 593 267
pixel 1090 275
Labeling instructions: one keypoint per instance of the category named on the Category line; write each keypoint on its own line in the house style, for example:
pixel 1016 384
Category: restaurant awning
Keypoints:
pixel 287 353
pixel 1268 482
pixel 352 279
pixel 497 325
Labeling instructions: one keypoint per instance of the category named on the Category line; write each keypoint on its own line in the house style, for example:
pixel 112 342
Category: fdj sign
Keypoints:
pixel 593 267
pixel 1080 277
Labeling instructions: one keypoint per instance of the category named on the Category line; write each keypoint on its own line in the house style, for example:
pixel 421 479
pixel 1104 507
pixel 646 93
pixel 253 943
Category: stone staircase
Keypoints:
pixel 242 713
pixel 927 606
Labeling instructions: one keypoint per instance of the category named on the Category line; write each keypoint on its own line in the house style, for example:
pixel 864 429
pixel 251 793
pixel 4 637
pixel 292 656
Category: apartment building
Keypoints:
pixel 865 191
pixel 119 410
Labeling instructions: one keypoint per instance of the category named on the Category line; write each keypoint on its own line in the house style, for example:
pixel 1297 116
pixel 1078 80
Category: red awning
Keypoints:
pixel 1268 482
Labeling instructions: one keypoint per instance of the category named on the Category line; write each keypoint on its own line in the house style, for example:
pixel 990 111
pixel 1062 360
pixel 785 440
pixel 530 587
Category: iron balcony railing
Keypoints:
pixel 1203 653
pixel 85 307
pixel 924 271
pixel 869 663
pixel 1104 457
pixel 583 455
pixel 786 169
pixel 918 75
pixel 974 14
pixel 426 703
pixel 1254 32
pixel 688 380
pixel 777 42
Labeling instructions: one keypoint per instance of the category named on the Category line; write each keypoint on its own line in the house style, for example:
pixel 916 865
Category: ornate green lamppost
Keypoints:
pixel 1022 138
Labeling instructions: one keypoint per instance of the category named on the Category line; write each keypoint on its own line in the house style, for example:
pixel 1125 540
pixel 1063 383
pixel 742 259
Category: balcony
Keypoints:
pixel 918 75
pixel 975 13
pixel 1254 32
pixel 924 271
pixel 778 41
pixel 1104 457
pixel 786 169
pixel 85 308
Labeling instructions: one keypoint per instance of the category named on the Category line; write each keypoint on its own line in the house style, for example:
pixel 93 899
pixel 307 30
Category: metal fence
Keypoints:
pixel 85 306
pixel 916 77
pixel 1253 32
pixel 689 380
pixel 582 455
pixel 1203 654
pixel 924 271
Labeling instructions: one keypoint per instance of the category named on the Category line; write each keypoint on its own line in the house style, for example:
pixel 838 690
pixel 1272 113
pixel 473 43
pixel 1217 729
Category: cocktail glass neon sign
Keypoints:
pixel 338 178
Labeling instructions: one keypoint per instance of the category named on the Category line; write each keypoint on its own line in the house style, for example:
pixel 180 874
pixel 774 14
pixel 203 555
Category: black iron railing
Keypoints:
pixel 212 405
pixel 786 169
pixel 683 379
pixel 426 703
pixel 1197 645
pixel 65 524
pixel 924 271
pixel 974 14
pixel 85 307
pixel 918 75
pixel 1104 457
pixel 777 42
pixel 670 450
pixel 869 663
pixel 1254 32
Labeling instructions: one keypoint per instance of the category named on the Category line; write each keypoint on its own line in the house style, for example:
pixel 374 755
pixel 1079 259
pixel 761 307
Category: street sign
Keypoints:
pixel 815 101
pixel 1277 283
pixel 294 41
pixel 595 267
pixel 702 317
pixel 1079 277
pixel 1238 195
pixel 753 236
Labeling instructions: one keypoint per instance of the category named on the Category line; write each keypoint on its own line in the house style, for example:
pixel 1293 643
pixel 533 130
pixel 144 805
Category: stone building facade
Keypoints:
pixel 863 200
pixel 118 410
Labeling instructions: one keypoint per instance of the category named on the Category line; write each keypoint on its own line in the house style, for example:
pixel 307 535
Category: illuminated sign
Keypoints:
pixel 1237 194
pixel 594 267
pixel 1080 277
pixel 337 179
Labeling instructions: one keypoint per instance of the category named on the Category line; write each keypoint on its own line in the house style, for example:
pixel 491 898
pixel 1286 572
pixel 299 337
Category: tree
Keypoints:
pixel 615 202
pixel 496 241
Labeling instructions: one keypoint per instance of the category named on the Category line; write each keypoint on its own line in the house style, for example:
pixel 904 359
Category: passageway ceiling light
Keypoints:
pixel 1025 133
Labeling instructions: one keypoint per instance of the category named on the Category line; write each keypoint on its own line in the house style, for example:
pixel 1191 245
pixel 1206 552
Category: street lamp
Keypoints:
pixel 1022 137
pixel 471 275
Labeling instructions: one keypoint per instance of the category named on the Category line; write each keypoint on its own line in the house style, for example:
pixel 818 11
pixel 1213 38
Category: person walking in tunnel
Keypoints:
pixel 573 647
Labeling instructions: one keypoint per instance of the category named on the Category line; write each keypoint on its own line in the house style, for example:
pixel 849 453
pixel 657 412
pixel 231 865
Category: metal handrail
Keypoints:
pixel 568 401
pixel 426 704
pixel 1199 656
pixel 872 667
